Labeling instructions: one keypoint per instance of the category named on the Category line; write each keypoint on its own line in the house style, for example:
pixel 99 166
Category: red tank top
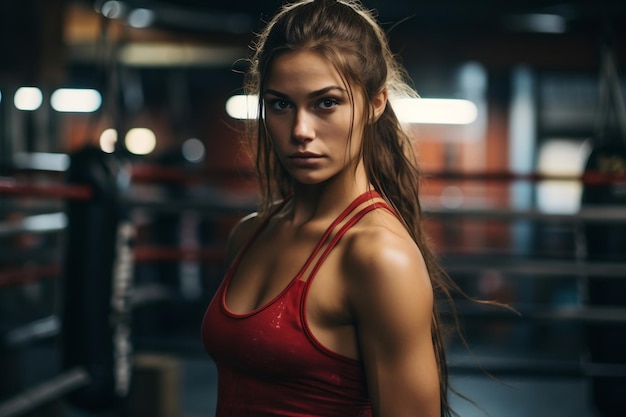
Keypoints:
pixel 268 361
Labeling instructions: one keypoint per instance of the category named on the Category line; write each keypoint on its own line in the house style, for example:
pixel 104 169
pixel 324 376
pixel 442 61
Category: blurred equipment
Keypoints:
pixel 97 283
pixel 606 242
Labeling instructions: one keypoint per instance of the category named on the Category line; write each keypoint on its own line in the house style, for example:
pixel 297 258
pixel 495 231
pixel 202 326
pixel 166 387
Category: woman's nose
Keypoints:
pixel 302 127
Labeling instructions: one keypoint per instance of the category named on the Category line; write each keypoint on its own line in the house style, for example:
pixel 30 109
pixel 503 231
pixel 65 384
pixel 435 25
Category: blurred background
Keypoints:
pixel 122 170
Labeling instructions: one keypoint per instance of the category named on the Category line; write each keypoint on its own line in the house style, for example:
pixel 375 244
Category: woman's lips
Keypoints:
pixel 305 159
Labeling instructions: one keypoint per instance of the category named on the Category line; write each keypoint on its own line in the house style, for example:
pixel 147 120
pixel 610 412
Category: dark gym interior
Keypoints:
pixel 114 217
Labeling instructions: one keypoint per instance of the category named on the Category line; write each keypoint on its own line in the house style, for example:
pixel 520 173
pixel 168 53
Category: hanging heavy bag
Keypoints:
pixel 97 281
pixel 606 242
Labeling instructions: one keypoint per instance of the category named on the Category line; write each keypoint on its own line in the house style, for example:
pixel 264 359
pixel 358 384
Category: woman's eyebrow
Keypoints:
pixel 275 93
pixel 325 90
pixel 312 94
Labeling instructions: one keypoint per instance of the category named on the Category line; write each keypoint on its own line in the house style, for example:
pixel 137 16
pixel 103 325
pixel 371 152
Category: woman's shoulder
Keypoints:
pixel 244 229
pixel 246 225
pixel 377 230
pixel 380 252
pixel 240 234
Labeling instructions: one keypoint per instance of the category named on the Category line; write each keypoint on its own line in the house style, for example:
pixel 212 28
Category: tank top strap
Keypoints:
pixel 342 231
pixel 368 195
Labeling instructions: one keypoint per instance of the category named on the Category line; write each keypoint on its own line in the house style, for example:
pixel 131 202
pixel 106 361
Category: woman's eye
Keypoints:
pixel 280 104
pixel 327 103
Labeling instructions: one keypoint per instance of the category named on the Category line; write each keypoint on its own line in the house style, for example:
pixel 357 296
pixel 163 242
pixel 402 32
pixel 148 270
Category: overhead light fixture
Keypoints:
pixel 140 141
pixel 141 18
pixel 113 9
pixel 108 140
pixel 28 98
pixel 193 150
pixel 435 111
pixel 408 110
pixel 143 54
pixel 536 22
pixel 242 107
pixel 76 100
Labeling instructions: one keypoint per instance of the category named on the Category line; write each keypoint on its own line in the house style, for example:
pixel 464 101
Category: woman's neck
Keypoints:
pixel 319 201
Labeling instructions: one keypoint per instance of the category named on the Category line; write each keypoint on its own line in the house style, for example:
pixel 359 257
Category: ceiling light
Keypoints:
pixel 28 98
pixel 140 54
pixel 76 100
pixel 108 139
pixel 113 9
pixel 140 141
pixel 141 18
pixel 434 111
pixel 242 107
pixel 536 22
pixel 193 150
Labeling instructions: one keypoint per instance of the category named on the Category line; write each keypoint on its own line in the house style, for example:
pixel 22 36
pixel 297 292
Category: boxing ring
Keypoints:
pixel 121 239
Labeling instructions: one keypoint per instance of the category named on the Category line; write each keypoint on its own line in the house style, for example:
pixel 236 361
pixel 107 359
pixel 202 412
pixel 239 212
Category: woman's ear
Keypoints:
pixel 378 103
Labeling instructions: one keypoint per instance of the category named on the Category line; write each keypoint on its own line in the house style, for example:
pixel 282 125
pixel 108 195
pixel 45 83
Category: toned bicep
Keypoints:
pixel 392 300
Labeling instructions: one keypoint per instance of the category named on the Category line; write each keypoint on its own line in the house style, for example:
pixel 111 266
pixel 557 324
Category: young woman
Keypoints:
pixel 328 308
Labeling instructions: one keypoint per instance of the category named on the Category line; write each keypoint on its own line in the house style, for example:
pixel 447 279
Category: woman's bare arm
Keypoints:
pixel 391 297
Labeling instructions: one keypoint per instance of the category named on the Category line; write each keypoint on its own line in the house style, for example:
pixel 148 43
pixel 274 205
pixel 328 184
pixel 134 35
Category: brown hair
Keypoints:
pixel 348 35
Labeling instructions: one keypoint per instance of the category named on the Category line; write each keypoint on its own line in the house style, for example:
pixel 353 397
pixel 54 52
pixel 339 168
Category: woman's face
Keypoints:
pixel 309 115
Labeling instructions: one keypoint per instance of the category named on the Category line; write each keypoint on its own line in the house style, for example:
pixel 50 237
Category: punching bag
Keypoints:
pixel 97 282
pixel 606 242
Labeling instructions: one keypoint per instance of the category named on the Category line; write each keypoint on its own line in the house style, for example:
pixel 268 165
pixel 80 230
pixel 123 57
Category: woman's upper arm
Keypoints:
pixel 391 297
